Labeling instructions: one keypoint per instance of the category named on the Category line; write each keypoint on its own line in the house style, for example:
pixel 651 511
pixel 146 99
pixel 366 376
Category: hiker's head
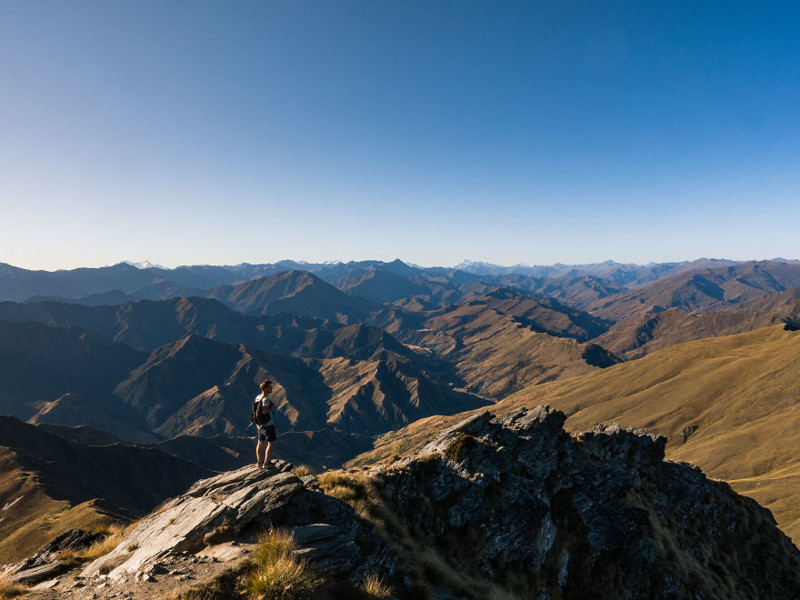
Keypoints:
pixel 266 386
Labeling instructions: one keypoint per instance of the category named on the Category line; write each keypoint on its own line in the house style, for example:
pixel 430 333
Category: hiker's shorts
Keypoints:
pixel 266 433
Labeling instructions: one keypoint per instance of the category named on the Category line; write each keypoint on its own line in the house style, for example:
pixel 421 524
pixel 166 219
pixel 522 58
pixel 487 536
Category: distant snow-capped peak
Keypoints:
pixel 145 264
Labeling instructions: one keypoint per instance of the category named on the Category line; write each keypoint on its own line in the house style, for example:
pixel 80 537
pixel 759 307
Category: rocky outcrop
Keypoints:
pixel 236 507
pixel 46 564
pixel 598 515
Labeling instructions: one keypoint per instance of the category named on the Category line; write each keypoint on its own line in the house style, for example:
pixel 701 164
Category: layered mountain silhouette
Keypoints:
pixel 42 363
pixel 295 292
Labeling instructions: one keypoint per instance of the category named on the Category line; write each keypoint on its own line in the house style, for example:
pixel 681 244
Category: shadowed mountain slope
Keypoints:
pixel 146 324
pixel 81 434
pixel 41 363
pixel 70 410
pixel 202 387
pixel 174 373
pixel 582 291
pixel 363 381
pixel 383 286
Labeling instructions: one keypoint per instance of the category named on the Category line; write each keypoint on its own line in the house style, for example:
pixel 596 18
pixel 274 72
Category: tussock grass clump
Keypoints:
pixel 377 588
pixel 458 447
pixel 303 470
pixel 354 490
pixel 277 573
pixel 10 590
pixel 365 496
pixel 393 458
pixel 114 535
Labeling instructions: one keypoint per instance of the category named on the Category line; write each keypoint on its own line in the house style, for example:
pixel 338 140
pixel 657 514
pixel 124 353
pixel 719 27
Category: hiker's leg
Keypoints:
pixel 271 437
pixel 260 451
pixel 269 451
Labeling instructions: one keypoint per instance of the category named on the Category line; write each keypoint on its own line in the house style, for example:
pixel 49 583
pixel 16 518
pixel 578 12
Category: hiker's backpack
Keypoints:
pixel 257 416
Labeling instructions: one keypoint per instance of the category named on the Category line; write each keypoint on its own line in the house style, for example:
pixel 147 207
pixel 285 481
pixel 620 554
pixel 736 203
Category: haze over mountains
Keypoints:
pixel 170 358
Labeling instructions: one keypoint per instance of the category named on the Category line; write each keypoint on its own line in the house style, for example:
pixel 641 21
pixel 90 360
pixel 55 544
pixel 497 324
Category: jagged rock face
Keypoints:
pixel 600 515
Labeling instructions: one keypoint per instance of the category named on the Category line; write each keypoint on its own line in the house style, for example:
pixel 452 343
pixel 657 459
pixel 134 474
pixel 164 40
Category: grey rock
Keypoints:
pixel 306 534
pixel 330 535
pixel 236 498
pixel 41 573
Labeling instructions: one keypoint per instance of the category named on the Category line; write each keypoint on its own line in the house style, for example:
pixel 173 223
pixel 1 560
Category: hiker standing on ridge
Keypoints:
pixel 262 417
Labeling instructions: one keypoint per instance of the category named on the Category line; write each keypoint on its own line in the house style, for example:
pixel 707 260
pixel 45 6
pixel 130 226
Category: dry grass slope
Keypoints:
pixel 495 354
pixel 32 517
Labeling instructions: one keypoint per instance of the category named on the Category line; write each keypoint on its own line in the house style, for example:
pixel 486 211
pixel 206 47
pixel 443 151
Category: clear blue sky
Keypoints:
pixel 188 132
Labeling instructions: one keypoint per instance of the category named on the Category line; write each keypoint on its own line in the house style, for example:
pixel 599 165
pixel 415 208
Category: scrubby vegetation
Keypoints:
pixel 11 590
pixel 278 574
pixel 376 587
pixel 113 536
pixel 303 471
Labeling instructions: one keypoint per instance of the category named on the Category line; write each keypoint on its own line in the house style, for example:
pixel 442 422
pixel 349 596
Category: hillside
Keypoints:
pixel 501 341
pixel 41 363
pixel 198 386
pixel 70 410
pixel 728 405
pixel 361 380
pixel 146 324
pixel 702 290
pixel 50 485
pixel 297 293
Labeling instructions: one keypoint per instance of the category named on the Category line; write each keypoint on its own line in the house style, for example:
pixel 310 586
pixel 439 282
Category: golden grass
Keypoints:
pixel 37 519
pixel 376 587
pixel 277 574
pixel 303 471
pixel 10 590
pixel 113 535
pixel 741 391
pixel 496 355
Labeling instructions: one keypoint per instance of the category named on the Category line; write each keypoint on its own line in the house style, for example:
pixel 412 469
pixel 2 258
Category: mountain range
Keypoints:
pixel 376 357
